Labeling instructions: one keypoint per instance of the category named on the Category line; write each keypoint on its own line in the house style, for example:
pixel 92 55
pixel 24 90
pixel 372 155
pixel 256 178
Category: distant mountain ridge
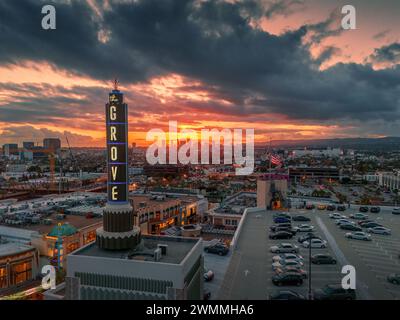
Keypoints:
pixel 385 143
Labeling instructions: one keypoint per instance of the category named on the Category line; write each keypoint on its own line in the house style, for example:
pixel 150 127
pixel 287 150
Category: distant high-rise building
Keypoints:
pixel 28 145
pixel 133 144
pixel 52 144
pixel 10 149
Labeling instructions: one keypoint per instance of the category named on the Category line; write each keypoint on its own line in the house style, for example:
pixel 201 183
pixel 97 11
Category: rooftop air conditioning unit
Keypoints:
pixel 163 248
pixel 157 254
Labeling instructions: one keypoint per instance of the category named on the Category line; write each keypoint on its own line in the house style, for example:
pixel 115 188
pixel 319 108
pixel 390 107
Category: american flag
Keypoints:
pixel 275 160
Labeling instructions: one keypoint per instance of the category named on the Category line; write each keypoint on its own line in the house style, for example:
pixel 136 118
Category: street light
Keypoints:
pixel 309 266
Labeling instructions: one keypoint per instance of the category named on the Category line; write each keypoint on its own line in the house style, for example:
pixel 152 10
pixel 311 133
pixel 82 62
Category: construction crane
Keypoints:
pixel 71 154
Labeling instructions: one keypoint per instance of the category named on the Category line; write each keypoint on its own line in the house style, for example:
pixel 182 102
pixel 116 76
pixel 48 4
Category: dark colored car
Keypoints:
pixel 301 218
pixel 370 225
pixel 287 279
pixel 363 209
pixel 206 295
pixel 334 292
pixel 281 235
pixel 275 227
pixel 331 207
pixel 307 237
pixel 375 209
pixel 310 206
pixel 323 259
pixel 282 220
pixel 351 227
pixel 364 221
pixel 341 208
pixel 394 278
pixel 217 249
pixel 286 295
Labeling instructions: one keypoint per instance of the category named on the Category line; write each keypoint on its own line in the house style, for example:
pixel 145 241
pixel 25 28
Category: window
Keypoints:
pixel 21 272
pixel 3 277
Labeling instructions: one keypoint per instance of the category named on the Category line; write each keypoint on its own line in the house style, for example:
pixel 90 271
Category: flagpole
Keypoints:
pixel 270 156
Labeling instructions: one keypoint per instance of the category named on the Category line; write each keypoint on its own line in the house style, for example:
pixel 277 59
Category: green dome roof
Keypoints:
pixel 65 229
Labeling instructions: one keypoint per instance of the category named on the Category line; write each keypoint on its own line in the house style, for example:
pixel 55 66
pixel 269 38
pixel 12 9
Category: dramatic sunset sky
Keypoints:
pixel 283 67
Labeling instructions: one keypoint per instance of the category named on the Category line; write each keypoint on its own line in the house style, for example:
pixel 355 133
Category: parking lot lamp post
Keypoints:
pixel 309 267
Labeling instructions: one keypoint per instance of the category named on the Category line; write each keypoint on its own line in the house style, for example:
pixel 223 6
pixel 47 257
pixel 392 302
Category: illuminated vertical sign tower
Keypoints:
pixel 118 232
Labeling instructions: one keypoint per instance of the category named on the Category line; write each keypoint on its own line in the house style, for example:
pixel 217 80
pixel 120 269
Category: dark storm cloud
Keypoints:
pixel 389 53
pixel 210 41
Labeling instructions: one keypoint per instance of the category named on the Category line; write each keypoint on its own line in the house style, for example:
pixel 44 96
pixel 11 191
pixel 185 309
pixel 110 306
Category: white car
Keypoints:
pixel 288 256
pixel 359 216
pixel 287 263
pixel 285 248
pixel 380 230
pixel 304 228
pixel 315 243
pixel 358 236
pixel 336 215
pixel 343 221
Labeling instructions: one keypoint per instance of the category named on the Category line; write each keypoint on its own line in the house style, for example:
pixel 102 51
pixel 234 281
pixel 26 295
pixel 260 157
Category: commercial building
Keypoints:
pixel 272 191
pixel 10 150
pixel 302 173
pixel 53 144
pixel 19 264
pixel 389 180
pixel 316 153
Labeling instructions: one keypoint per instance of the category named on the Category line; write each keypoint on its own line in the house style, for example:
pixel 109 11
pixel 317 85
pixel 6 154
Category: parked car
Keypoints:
pixel 336 215
pixel 364 221
pixel 206 295
pixel 310 206
pixel 359 216
pixel 305 228
pixel 331 207
pixel 307 237
pixel 208 275
pixel 281 235
pixel 301 218
pixel 282 220
pixel 321 207
pixel 285 248
pixel 341 208
pixel 394 278
pixel 323 259
pixel 350 227
pixel 281 225
pixel 375 209
pixel 396 211
pixel 343 221
pixel 281 215
pixel 334 292
pixel 358 236
pixel 380 230
pixel 363 209
pixel 315 243
pixel 288 256
pixel 287 279
pixel 370 225
pixel 290 269
pixel 217 249
pixel 287 229
pixel 287 263
pixel 286 295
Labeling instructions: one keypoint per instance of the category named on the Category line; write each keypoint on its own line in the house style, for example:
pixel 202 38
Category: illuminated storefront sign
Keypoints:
pixel 117 157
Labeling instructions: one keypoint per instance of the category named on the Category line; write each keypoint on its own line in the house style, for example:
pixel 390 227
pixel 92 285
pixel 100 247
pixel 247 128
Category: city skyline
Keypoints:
pixel 284 68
